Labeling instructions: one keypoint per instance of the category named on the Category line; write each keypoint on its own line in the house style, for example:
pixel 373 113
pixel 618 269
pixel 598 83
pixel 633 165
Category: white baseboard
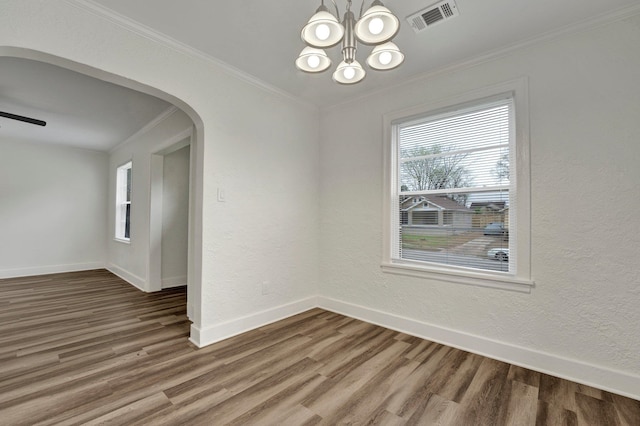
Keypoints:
pixel 134 280
pixel 174 282
pixel 208 335
pixel 588 374
pixel 51 269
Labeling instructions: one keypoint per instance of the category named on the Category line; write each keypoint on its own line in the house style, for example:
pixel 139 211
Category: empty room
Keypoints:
pixel 319 212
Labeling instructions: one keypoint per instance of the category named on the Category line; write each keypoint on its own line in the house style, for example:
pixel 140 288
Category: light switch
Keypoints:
pixel 221 196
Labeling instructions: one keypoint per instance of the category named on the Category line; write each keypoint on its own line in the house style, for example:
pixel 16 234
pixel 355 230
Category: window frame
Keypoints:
pixel 120 228
pixel 520 216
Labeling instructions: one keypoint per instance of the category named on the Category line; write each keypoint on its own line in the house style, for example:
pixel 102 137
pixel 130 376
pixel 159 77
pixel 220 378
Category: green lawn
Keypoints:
pixel 435 242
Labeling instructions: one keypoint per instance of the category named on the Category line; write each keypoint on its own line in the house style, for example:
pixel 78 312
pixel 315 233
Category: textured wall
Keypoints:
pixel 267 229
pixel 585 169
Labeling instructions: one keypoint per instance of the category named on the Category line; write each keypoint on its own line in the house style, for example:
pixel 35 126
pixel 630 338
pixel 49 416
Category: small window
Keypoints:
pixel 123 202
pixel 469 162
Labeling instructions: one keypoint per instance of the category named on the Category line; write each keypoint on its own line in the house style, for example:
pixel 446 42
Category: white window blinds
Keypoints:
pixel 454 187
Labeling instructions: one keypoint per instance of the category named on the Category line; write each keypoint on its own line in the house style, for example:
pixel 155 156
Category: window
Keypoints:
pixel 123 202
pixel 469 163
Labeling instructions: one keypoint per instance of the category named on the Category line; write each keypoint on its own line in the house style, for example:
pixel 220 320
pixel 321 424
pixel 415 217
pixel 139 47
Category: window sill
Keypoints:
pixel 479 279
pixel 123 241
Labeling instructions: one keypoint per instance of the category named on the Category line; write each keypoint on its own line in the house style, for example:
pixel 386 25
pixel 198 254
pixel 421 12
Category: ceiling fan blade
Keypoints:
pixel 22 118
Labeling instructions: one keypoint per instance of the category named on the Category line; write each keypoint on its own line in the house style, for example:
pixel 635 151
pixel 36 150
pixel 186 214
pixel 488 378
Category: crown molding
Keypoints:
pixel 150 125
pixel 163 39
pixel 149 33
pixel 584 25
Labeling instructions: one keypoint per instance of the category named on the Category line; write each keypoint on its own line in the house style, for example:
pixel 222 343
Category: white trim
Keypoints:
pixel 194 250
pixel 136 281
pixel 154 35
pixel 215 333
pixel 174 282
pixel 592 375
pixel 449 274
pixel 175 142
pixel 156 196
pixel 150 125
pixel 520 279
pixel 457 190
pixel 50 269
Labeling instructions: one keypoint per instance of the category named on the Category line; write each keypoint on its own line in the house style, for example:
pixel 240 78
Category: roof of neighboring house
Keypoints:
pixel 406 201
pixel 491 205
pixel 442 201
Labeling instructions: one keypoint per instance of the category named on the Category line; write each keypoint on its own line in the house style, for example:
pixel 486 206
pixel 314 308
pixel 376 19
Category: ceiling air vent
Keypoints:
pixel 432 15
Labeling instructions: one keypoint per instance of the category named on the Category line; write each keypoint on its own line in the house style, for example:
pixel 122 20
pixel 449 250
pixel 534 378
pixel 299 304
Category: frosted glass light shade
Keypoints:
pixel 385 57
pixel 313 60
pixel 349 73
pixel 377 25
pixel 322 30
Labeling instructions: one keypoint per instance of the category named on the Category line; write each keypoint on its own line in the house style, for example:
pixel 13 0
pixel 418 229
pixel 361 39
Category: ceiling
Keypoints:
pixel 261 39
pixel 80 111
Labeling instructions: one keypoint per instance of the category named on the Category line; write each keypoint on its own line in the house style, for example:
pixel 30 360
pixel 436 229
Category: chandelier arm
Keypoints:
pixel 361 9
pixel 336 6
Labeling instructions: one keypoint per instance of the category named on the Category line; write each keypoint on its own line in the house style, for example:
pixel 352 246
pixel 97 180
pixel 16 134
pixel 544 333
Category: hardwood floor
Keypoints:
pixel 87 348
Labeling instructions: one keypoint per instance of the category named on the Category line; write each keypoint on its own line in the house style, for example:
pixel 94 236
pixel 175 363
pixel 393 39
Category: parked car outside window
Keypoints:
pixel 501 254
pixel 495 228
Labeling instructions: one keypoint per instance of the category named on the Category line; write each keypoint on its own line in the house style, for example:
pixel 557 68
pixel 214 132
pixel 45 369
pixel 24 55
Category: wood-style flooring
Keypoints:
pixel 87 348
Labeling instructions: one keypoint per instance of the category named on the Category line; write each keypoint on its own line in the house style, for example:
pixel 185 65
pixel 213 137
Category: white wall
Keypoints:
pixel 131 260
pixel 582 318
pixel 260 146
pixel 175 217
pixel 52 209
pixel 261 244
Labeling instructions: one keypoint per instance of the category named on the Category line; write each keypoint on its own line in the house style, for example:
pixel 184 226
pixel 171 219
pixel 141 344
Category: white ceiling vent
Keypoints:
pixel 432 15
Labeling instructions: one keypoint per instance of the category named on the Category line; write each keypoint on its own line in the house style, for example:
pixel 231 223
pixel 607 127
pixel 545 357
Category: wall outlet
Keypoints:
pixel 266 287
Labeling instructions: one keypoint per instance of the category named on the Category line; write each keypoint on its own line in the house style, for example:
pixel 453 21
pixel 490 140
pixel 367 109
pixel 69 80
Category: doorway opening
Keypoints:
pixel 171 175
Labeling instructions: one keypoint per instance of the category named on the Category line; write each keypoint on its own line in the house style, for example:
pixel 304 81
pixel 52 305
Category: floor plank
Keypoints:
pixel 88 348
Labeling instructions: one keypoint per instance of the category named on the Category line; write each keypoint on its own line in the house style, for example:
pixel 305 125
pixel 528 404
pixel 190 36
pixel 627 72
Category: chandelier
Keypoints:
pixel 377 26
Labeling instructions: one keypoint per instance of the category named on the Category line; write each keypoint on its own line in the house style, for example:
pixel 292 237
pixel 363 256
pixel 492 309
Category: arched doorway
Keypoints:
pixel 196 142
